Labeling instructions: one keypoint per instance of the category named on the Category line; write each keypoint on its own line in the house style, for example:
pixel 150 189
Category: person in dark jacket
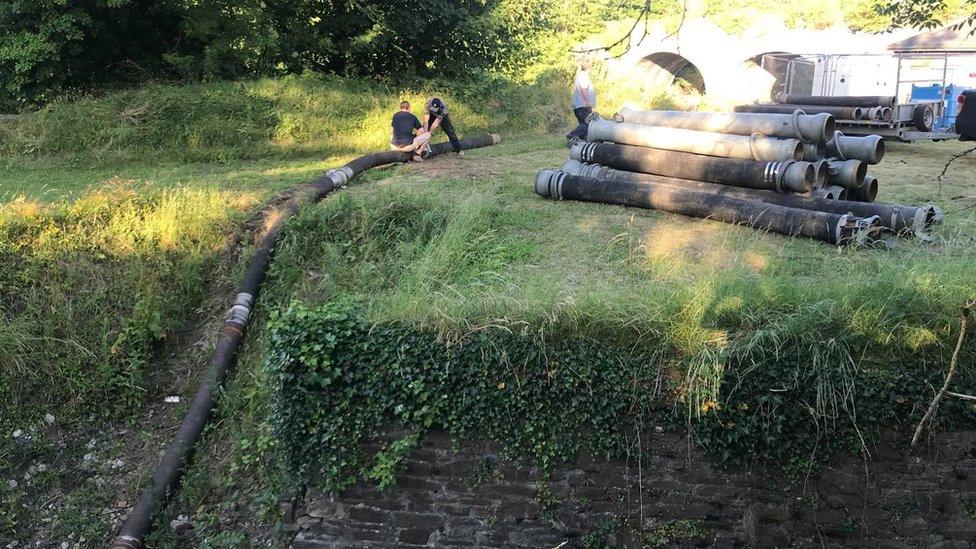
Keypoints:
pixel 407 133
pixel 437 117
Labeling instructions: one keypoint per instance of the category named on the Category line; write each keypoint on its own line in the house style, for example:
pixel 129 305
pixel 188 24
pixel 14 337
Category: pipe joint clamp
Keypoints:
pixel 775 173
pixel 240 311
pixel 340 176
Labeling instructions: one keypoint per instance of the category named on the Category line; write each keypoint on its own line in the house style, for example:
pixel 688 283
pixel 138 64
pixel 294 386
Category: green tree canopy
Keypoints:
pixel 49 47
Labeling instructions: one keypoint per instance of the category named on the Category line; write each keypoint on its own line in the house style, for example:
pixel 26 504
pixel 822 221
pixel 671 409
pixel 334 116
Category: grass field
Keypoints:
pixel 452 244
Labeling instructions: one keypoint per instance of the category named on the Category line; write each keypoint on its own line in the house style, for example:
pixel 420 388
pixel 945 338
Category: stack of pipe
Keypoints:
pixel 848 107
pixel 791 174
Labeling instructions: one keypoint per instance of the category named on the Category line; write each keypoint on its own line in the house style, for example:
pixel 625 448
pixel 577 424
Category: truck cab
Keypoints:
pixel 966 116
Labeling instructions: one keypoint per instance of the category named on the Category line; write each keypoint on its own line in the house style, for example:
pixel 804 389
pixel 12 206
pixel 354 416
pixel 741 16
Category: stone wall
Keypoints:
pixel 463 494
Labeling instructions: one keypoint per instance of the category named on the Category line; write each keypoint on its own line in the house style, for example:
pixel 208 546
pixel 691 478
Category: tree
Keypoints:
pixel 49 46
pixel 927 14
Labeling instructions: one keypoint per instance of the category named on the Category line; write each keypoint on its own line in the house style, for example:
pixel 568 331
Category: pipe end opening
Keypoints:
pixel 860 173
pixel 829 126
pixel 798 151
pixel 542 183
pixel 871 188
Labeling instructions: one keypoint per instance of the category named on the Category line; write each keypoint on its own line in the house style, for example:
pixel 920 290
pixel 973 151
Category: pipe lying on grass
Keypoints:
pixel 870 148
pixel 839 113
pixel 805 127
pixel 790 175
pixel 754 147
pixel 895 217
pixel 180 451
pixel 835 101
pixel 833 228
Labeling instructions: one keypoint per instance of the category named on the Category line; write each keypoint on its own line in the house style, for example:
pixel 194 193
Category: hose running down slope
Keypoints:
pixel 181 449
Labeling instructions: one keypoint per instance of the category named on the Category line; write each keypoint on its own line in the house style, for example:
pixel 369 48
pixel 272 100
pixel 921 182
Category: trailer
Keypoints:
pixel 927 95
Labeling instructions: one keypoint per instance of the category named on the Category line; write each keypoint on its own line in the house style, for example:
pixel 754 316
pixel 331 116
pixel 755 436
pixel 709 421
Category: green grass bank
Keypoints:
pixel 115 259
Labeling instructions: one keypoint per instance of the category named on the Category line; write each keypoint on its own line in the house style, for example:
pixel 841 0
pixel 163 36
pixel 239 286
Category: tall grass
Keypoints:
pixel 720 306
pixel 266 118
pixel 89 288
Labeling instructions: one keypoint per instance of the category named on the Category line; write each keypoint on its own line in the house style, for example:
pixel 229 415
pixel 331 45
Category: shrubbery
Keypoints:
pixel 340 380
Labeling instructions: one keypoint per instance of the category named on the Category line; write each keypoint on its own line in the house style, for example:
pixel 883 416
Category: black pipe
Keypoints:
pixel 868 191
pixel 833 228
pixel 839 113
pixel 789 175
pixel 181 450
pixel 836 101
pixel 898 218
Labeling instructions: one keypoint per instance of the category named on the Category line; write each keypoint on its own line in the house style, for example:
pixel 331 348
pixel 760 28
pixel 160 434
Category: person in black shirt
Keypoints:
pixel 403 138
pixel 437 117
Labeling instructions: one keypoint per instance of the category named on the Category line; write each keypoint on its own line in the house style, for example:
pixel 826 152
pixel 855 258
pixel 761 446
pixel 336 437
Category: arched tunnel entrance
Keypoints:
pixel 670 70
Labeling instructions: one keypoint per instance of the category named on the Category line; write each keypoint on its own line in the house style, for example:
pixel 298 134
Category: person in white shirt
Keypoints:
pixel 584 101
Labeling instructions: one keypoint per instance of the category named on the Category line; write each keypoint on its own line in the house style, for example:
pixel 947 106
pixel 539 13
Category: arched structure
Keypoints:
pixel 705 58
pixel 665 69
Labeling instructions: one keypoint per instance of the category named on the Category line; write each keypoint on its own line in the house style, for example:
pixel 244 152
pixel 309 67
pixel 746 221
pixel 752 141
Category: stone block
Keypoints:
pixel 415 536
pixel 402 519
pixel 361 513
pixel 365 534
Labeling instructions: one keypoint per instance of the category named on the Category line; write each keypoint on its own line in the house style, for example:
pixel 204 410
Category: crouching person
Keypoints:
pixel 437 117
pixel 408 133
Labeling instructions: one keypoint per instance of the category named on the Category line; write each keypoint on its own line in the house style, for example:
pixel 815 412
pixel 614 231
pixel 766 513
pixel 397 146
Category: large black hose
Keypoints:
pixel 181 450
pixel 789 175
pixel 898 218
pixel 839 113
pixel 836 101
pixel 833 228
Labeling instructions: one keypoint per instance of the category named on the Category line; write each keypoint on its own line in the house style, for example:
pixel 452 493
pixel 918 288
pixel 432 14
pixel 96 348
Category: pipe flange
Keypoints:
pixel 844 231
pixel 840 153
pixel 126 542
pixel 866 231
pixel 935 214
pixel 752 142
pixel 796 123
pixel 240 311
pixel 924 218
